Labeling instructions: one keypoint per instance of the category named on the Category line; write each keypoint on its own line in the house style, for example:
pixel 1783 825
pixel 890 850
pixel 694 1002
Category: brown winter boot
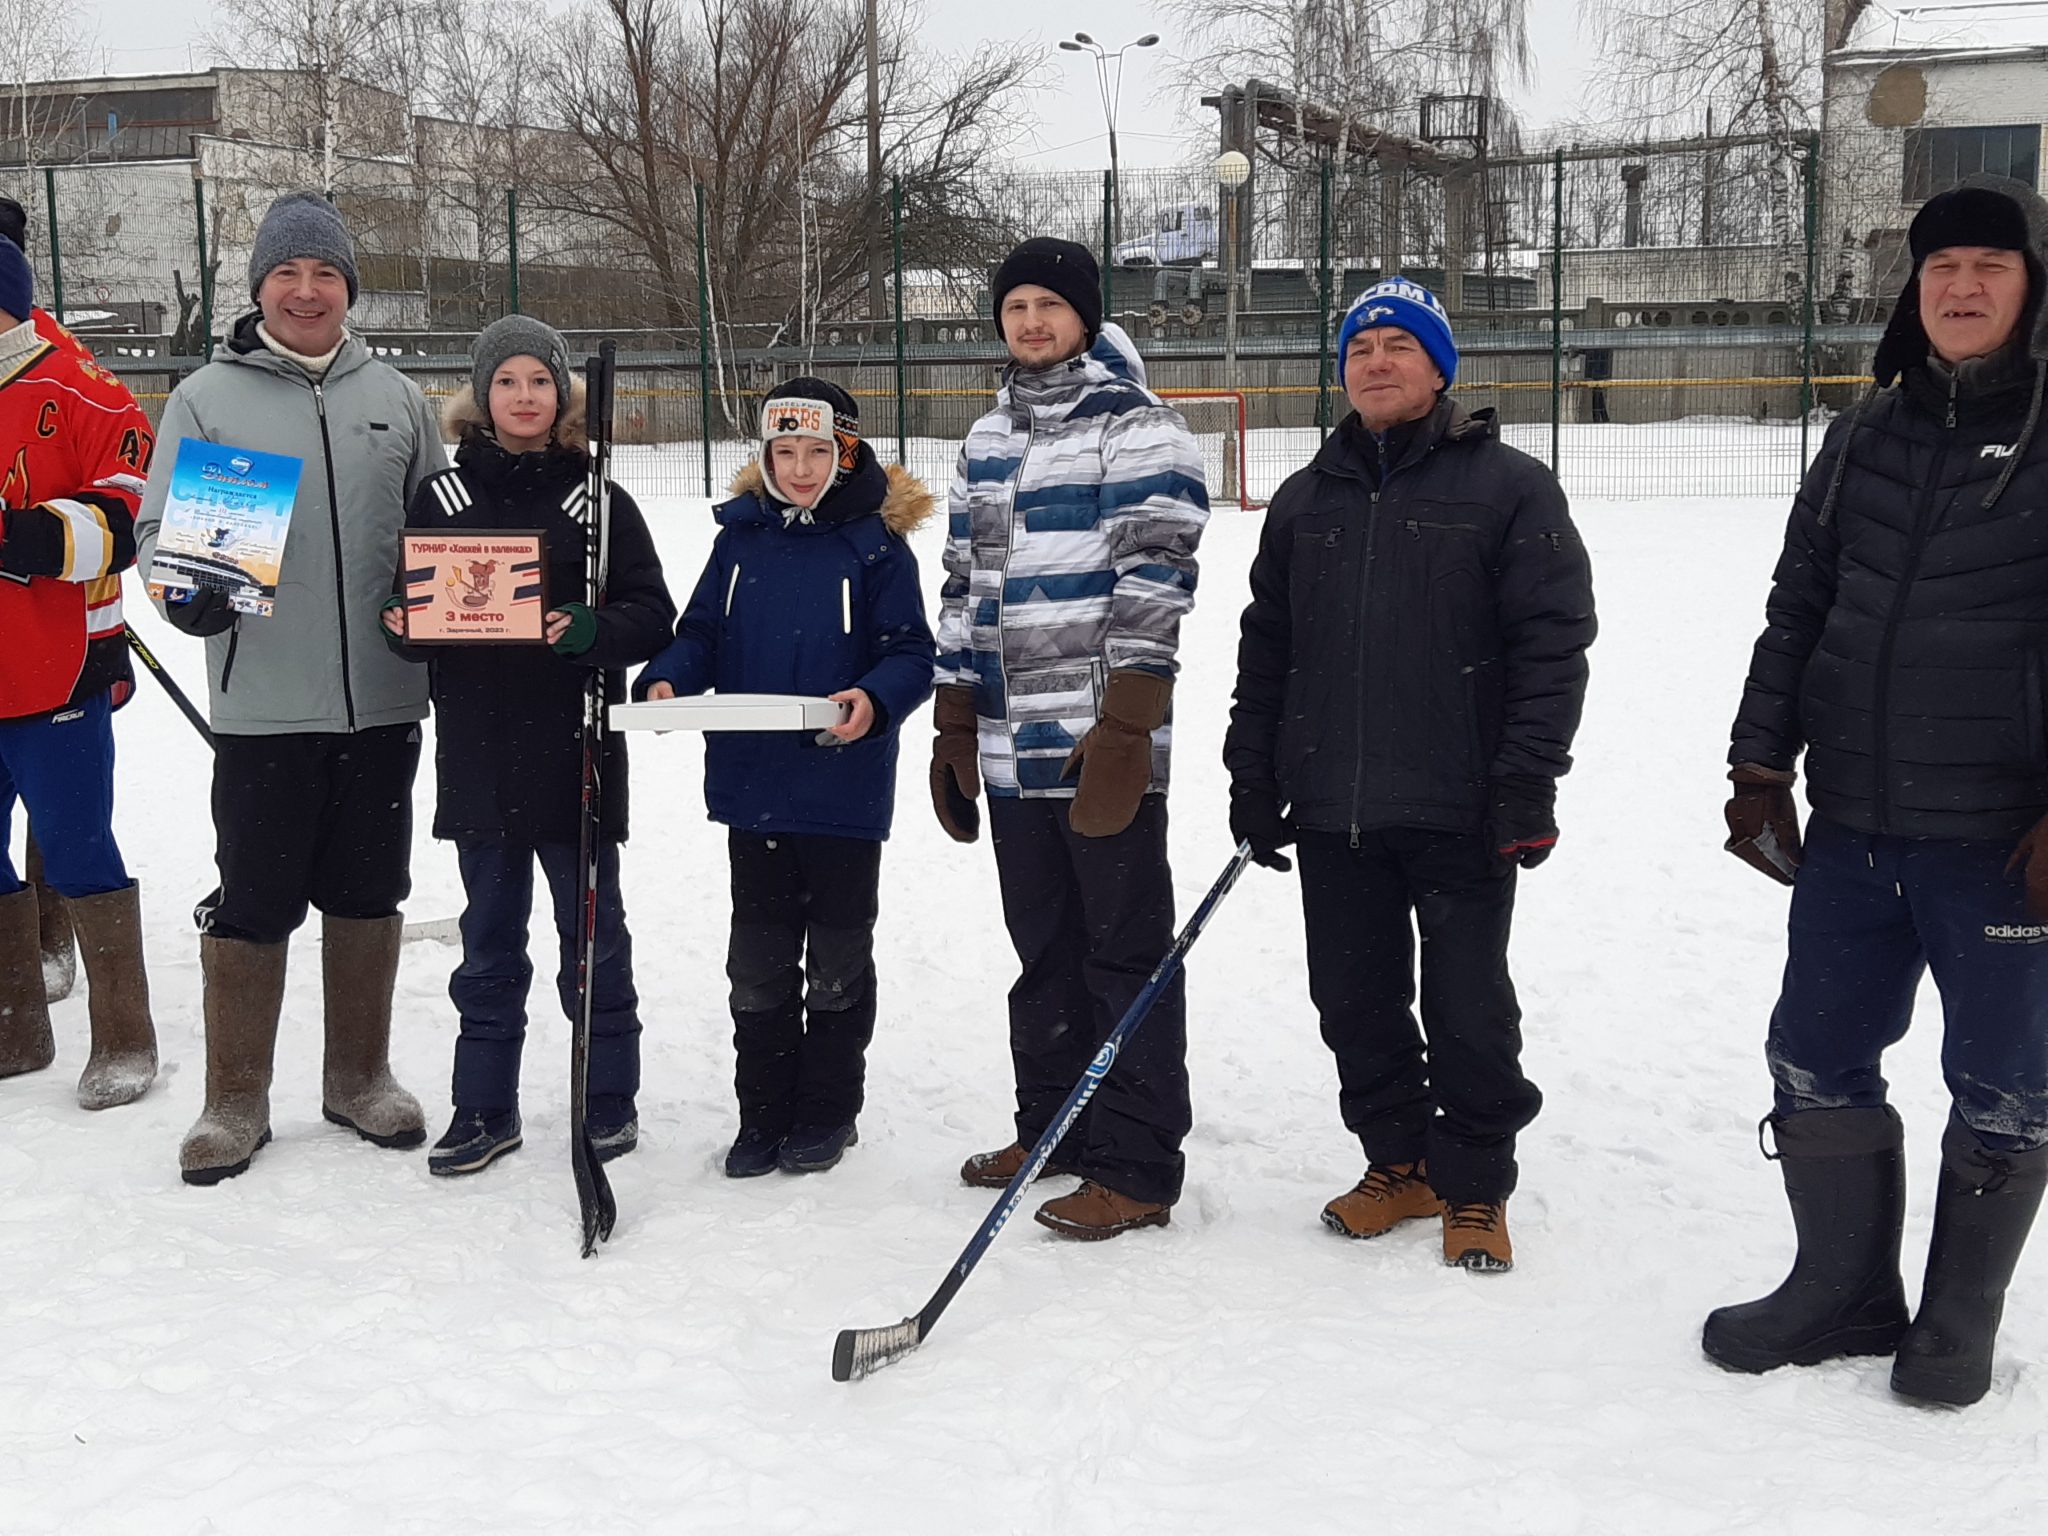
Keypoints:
pixel 1095 1211
pixel 1388 1195
pixel 358 970
pixel 123 1060
pixel 244 991
pixel 26 1044
pixel 994 1170
pixel 53 913
pixel 1476 1237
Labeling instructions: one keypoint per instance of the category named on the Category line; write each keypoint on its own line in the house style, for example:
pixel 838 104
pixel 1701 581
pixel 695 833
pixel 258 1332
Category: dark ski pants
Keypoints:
pixel 1869 915
pixel 61 767
pixel 1451 1091
pixel 490 986
pixel 1091 918
pixel 320 819
pixel 801 962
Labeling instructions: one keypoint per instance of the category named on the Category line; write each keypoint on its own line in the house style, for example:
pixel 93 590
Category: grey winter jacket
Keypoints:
pixel 368 438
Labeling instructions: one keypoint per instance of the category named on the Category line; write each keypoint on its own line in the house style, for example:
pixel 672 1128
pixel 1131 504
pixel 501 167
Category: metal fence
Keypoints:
pixel 1642 317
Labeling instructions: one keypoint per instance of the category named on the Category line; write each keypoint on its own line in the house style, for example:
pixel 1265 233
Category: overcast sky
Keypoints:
pixel 139 36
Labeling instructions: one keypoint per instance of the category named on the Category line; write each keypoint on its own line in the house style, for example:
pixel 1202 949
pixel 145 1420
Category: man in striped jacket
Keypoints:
pixel 74 448
pixel 1070 559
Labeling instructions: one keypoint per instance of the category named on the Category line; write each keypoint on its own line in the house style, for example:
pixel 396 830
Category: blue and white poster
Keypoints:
pixel 225 522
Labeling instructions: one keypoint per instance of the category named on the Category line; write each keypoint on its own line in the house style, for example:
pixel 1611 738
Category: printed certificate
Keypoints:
pixel 224 524
pixel 477 585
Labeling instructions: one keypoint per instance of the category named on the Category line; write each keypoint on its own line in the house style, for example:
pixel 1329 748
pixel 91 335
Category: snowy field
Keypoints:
pixel 337 1342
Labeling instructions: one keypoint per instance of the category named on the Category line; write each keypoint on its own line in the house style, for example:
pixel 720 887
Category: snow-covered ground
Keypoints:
pixel 336 1342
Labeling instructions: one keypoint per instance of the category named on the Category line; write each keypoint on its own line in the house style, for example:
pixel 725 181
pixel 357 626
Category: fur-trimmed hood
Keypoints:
pixel 907 506
pixel 463 414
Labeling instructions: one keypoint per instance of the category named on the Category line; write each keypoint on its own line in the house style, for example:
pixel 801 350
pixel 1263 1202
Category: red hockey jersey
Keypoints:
pixel 74 454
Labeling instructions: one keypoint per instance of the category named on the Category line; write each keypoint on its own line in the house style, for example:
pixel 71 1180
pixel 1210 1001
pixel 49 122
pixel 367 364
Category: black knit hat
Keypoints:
pixel 1069 270
pixel 814 408
pixel 13 222
pixel 1966 216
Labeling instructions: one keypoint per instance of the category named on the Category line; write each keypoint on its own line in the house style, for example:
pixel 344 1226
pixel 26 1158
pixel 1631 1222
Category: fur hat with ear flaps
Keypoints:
pixel 1994 211
pixel 817 409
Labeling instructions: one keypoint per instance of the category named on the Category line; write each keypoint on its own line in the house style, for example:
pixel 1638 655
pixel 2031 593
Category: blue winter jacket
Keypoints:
pixel 788 605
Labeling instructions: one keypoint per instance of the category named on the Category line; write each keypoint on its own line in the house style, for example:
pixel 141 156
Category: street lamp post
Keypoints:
pixel 1233 169
pixel 1112 92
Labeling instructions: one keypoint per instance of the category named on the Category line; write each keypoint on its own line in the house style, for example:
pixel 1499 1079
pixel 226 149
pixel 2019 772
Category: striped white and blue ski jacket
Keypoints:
pixel 1070 553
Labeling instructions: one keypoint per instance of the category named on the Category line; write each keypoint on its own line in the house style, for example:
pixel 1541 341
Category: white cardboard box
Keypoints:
pixel 729 712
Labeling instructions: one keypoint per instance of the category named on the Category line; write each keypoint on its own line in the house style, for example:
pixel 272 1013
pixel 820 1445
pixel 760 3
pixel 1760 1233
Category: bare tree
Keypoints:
pixel 1368 61
pixel 329 48
pixel 762 104
pixel 1754 65
pixel 45 38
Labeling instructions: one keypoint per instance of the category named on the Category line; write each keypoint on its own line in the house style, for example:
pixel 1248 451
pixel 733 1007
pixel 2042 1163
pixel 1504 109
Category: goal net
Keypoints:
pixel 1217 419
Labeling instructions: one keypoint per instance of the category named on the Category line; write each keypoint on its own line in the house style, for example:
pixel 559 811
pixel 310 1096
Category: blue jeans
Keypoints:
pixel 61 766
pixel 1870 914
pixel 489 988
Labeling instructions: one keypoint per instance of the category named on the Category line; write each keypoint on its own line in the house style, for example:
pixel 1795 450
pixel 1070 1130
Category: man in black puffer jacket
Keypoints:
pixel 1409 680
pixel 1904 654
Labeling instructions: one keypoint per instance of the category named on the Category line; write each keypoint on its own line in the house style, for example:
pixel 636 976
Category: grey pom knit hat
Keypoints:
pixel 302 225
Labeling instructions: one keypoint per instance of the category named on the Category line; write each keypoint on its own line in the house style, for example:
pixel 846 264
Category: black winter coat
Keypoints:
pixel 1413 634
pixel 1906 647
pixel 1907 628
pixel 508 719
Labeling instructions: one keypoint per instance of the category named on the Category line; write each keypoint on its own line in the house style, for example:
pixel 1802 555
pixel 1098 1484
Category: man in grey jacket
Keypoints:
pixel 316 722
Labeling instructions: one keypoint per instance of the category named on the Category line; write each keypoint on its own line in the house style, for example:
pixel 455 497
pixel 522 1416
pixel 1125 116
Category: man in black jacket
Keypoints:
pixel 1409 679
pixel 1903 653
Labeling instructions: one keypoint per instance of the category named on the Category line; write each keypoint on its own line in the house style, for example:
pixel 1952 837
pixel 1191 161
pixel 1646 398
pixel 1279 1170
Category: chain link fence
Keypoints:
pixel 1641 317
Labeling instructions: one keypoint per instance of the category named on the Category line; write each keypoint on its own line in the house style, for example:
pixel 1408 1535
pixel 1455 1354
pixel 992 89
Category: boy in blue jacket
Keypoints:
pixel 810 589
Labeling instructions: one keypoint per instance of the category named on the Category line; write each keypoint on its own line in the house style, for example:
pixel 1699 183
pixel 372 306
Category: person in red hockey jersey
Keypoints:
pixel 74 451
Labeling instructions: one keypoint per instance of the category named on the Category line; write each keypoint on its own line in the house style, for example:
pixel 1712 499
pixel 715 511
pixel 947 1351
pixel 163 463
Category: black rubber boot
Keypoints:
pixel 1845 1176
pixel 1983 1211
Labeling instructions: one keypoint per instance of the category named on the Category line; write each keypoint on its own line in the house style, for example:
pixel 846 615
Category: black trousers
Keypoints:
pixel 801 962
pixel 1090 918
pixel 490 986
pixel 313 819
pixel 1452 1091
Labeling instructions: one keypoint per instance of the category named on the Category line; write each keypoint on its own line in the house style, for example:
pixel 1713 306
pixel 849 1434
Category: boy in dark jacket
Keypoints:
pixel 507 741
pixel 810 589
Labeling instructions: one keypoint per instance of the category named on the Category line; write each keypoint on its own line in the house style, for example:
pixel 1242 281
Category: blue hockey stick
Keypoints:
pixel 862 1350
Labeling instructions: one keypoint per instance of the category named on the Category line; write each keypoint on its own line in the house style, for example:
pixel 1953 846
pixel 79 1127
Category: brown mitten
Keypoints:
pixel 1763 820
pixel 956 763
pixel 1115 759
pixel 2030 858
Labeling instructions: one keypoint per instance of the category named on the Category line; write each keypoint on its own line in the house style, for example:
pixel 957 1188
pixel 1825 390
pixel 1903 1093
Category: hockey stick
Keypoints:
pixel 862 1350
pixel 593 1190
pixel 156 670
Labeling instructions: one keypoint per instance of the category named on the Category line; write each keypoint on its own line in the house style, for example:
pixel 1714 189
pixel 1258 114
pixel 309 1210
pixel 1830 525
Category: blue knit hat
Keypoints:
pixel 1410 307
pixel 17 281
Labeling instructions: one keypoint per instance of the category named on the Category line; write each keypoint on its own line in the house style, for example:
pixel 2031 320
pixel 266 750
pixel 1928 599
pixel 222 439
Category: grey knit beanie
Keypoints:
pixel 302 225
pixel 517 336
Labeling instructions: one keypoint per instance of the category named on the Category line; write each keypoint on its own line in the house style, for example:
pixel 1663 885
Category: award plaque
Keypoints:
pixel 479 586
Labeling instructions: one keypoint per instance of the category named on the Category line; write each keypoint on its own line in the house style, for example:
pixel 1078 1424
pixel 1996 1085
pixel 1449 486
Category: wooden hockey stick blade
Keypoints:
pixel 862 1351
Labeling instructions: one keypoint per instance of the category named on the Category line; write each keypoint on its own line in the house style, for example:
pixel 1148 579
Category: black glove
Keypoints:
pixel 1523 828
pixel 1255 818
pixel 205 612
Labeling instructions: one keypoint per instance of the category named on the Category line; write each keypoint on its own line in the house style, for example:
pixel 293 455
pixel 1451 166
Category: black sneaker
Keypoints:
pixel 755 1152
pixel 814 1148
pixel 614 1126
pixel 474 1140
